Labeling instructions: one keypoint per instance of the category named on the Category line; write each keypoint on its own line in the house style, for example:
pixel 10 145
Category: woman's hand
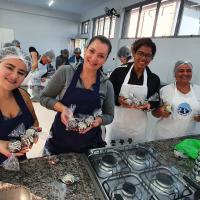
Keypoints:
pixel 5 151
pixel 97 122
pixel 66 115
pixel 146 107
pixel 122 101
pixel 197 118
pixel 162 112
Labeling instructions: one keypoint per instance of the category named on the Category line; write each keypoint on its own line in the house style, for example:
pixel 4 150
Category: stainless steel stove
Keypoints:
pixel 132 172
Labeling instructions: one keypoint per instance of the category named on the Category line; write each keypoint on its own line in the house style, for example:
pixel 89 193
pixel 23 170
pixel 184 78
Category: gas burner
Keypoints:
pixel 139 159
pixel 163 182
pixel 109 161
pixel 141 154
pixel 128 189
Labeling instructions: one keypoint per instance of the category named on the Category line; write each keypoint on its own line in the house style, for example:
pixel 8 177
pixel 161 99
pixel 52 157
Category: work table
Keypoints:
pixel 42 178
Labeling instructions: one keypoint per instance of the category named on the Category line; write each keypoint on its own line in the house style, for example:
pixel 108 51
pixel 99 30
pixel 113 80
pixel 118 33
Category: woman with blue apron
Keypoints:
pixel 14 127
pixel 86 102
pixel 16 108
pixel 88 89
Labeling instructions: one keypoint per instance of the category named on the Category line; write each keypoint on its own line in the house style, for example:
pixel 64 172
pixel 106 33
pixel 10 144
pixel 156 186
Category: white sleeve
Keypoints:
pixel 167 93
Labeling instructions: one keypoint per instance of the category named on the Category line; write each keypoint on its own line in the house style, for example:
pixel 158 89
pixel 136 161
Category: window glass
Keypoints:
pixel 107 26
pixel 190 22
pixel 132 26
pixel 167 18
pixel 147 20
pixel 112 30
pixel 101 25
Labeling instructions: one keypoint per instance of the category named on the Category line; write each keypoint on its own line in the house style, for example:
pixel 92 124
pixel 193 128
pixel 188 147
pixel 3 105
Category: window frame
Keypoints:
pixel 104 19
pixel 83 24
pixel 147 2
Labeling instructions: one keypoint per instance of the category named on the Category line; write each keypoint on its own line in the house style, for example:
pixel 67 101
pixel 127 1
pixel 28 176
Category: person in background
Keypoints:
pixel 86 87
pixel 16 43
pixel 38 72
pixel 8 44
pixel 135 83
pixel 76 58
pixel 124 55
pixel 16 107
pixel 62 59
pixel 180 109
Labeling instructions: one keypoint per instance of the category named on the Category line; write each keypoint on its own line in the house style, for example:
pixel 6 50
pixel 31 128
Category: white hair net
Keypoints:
pixel 14 52
pixel 124 51
pixel 182 62
pixel 77 50
pixel 50 54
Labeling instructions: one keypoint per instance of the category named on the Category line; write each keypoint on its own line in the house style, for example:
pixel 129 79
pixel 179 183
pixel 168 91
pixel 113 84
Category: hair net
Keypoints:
pixel 65 51
pixel 8 44
pixel 124 51
pixel 182 62
pixel 77 50
pixel 15 42
pixel 50 54
pixel 14 52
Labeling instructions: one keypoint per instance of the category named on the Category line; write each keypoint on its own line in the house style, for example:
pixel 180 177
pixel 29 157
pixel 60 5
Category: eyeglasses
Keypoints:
pixel 142 54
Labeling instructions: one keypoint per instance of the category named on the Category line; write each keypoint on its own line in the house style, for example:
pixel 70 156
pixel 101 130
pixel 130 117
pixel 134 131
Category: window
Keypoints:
pixel 84 27
pixel 167 18
pixel 105 26
pixel 162 18
pixel 190 23
pixel 147 18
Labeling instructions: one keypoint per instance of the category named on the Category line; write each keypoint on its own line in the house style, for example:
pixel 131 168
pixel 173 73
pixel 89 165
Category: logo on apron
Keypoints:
pixel 184 109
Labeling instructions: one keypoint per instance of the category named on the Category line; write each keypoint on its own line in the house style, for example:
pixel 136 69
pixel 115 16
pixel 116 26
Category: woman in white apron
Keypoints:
pixel 136 80
pixel 181 105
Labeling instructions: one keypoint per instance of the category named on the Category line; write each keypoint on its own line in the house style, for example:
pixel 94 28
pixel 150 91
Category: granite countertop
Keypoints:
pixel 42 178
pixel 165 153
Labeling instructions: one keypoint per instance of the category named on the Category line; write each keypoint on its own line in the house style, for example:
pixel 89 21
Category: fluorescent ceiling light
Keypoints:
pixel 51 2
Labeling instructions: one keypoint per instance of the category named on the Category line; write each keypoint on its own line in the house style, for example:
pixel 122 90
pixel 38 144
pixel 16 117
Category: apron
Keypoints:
pixel 180 122
pixel 7 126
pixel 129 123
pixel 86 102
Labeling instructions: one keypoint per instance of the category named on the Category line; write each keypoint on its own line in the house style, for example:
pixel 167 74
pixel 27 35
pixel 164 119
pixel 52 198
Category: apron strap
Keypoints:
pixel 129 74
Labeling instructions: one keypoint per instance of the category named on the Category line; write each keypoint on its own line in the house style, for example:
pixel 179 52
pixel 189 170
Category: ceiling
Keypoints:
pixel 71 6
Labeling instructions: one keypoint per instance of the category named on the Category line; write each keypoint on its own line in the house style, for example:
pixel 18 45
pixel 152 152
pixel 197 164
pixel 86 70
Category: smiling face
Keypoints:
pixel 12 73
pixel 142 57
pixel 95 55
pixel 183 74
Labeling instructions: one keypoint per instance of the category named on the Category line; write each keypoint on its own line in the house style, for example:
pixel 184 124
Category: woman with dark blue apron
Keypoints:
pixel 12 127
pixel 87 99
pixel 16 110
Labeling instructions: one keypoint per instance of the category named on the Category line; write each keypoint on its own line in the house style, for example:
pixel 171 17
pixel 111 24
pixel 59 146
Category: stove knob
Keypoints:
pixel 121 141
pixel 130 140
pixel 113 142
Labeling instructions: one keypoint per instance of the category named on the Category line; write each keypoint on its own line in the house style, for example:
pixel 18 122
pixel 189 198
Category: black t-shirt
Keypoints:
pixel 153 82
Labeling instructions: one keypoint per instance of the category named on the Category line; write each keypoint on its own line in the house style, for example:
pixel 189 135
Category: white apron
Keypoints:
pixel 180 122
pixel 129 123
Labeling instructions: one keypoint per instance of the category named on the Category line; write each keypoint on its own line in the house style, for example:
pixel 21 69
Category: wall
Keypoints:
pixel 169 50
pixel 39 27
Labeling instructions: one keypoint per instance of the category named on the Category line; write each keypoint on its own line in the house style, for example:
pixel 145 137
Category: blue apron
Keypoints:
pixel 8 125
pixel 86 102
